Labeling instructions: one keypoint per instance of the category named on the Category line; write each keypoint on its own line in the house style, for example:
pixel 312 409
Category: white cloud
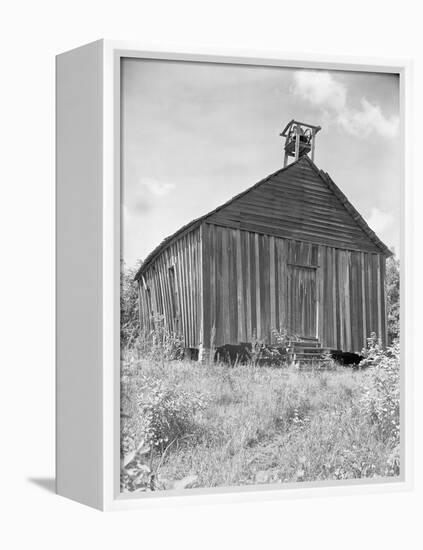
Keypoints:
pixel 379 220
pixel 321 90
pixel 369 119
pixel 156 187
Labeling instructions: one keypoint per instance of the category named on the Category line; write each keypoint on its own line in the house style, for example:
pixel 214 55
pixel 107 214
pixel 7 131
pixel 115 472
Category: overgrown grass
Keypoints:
pixel 186 424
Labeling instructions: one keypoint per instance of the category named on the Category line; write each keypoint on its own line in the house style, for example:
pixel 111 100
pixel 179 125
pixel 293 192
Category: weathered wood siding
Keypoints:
pixel 172 287
pixel 291 252
pixel 254 283
pixel 296 203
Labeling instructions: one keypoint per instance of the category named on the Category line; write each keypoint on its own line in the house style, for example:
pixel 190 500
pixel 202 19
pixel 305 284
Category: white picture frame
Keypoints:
pixel 88 253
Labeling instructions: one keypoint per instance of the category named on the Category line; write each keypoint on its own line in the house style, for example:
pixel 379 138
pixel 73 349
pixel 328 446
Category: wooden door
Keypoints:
pixel 302 301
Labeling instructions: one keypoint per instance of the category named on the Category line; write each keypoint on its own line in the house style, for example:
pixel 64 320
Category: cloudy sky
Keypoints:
pixel 196 134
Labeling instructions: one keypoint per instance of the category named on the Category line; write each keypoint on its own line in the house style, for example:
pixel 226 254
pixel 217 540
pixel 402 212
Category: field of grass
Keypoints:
pixel 187 424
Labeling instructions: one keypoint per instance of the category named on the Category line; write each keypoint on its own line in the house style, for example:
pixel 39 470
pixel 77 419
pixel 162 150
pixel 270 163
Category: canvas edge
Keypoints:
pixel 79 428
pixel 110 422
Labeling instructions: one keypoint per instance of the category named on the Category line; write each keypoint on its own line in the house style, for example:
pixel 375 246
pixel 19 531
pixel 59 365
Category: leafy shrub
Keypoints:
pixel 168 414
pixel 392 286
pixel 373 353
pixel 382 391
pixel 153 418
pixel 135 475
pixel 129 314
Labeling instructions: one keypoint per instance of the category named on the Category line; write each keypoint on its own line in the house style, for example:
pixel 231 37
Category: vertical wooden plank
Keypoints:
pixel 233 283
pixel 359 313
pixel 368 294
pixel 203 290
pixel 225 286
pixel 347 302
pixel 243 246
pixel 330 282
pixel 253 285
pixel 342 280
pixel 164 278
pixel 257 290
pixel 272 285
pixel 184 290
pixel 188 273
pixel 315 254
pixel 379 299
pixel 181 289
pixel 375 313
pixel 240 288
pixel 339 299
pixel 289 299
pixel 140 305
pixel 194 287
pixel 320 261
pixel 330 308
pixel 213 255
pixel 160 267
pixel 154 292
pixel 191 252
pixel 199 289
pixel 382 260
pixel 363 299
pixel 333 268
pixel 265 306
pixel 276 271
pixel 220 335
pixel 282 282
pixel 353 301
pixel 249 327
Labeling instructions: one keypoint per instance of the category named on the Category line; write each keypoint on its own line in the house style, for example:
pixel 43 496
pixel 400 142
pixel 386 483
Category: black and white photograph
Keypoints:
pixel 260 276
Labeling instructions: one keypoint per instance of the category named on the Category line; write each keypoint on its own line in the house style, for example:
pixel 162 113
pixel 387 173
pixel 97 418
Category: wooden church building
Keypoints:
pixel 289 253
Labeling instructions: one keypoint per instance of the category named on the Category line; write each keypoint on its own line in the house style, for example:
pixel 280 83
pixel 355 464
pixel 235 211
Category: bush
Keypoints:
pixel 392 286
pixel 168 414
pixel 154 416
pixel 382 391
pixel 129 314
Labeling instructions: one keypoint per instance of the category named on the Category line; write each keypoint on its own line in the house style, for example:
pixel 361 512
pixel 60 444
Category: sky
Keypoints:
pixel 194 135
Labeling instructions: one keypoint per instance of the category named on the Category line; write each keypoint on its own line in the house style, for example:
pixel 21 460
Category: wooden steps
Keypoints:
pixel 307 350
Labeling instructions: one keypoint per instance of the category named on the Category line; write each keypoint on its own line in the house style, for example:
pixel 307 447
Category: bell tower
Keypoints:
pixel 299 139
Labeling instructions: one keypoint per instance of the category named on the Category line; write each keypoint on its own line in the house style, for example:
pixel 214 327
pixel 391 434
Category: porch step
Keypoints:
pixel 307 346
pixel 308 350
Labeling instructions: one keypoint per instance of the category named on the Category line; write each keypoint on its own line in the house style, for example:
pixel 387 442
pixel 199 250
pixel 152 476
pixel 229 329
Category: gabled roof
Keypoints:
pixel 359 220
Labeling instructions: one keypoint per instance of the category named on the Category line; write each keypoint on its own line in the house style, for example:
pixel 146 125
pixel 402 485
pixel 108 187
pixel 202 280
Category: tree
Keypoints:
pixel 392 286
pixel 129 308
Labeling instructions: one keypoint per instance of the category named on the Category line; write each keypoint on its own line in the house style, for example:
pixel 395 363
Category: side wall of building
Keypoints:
pixel 171 288
pixel 251 284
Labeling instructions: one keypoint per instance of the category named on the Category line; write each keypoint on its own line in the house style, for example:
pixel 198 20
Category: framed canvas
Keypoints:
pixel 232 229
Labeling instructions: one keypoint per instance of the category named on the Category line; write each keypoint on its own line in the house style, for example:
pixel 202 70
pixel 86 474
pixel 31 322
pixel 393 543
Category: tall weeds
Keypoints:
pixel 214 424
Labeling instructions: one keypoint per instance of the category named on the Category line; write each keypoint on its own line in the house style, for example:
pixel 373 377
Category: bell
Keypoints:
pixel 299 139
